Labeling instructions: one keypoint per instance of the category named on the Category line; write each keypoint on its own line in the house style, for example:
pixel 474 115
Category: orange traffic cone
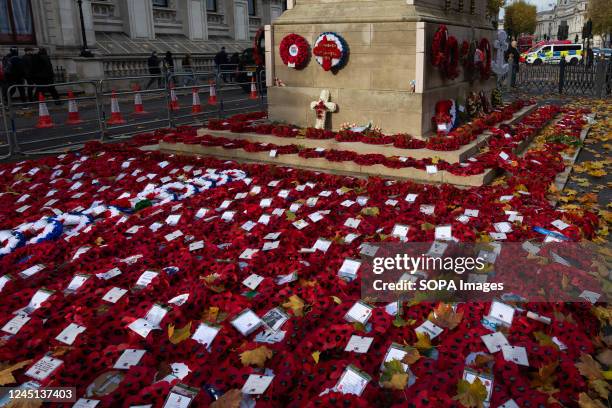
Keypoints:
pixel 253 89
pixel 174 104
pixel 196 105
pixel 138 106
pixel 116 118
pixel 74 118
pixel 44 119
pixel 212 98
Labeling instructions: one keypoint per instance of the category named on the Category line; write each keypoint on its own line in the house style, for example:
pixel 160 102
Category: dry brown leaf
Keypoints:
pixel 296 304
pixel 6 374
pixel 256 357
pixel 482 360
pixel 471 395
pixel 398 381
pixel 605 357
pixel 412 356
pixel 545 378
pixel 584 401
pixel 589 367
pixel 230 399
pixel 445 317
pixel 601 387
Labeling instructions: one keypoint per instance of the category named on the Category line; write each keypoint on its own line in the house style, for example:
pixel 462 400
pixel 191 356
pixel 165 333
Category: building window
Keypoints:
pixel 160 3
pixel 16 24
pixel 211 5
pixel 252 8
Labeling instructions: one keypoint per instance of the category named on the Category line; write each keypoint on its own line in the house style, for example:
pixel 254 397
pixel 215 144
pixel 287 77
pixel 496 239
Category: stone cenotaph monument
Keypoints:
pixel 383 61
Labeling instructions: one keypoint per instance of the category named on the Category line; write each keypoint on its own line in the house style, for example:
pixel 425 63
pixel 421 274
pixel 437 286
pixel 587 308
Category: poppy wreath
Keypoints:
pixel 485 67
pixel 294 51
pixel 451 58
pixel 331 51
pixel 438 46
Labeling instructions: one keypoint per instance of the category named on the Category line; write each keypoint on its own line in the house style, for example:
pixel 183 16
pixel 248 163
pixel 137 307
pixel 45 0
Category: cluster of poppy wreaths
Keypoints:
pixel 446 55
pixel 189 254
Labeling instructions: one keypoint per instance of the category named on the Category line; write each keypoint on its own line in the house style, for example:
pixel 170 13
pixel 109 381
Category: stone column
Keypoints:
pixel 138 18
pixel 241 20
pixel 193 15
pixel 70 24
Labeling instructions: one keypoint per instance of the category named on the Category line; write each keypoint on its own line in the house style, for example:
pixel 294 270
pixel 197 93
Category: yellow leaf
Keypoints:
pixel 6 374
pixel 315 356
pixel 336 299
pixel 296 304
pixel 607 374
pixel 177 335
pixel 372 211
pixel 584 401
pixel 544 379
pixel 544 339
pixel 256 357
pixel 471 395
pixel 211 314
pixel 423 342
pixel 601 387
pixel 597 173
pixel 398 381
pixel 230 399
pixel 427 226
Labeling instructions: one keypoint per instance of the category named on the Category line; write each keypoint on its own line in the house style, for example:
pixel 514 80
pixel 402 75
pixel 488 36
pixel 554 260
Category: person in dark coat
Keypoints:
pixel 43 75
pixel 28 64
pixel 512 56
pixel 154 70
pixel 168 65
pixel 221 59
pixel 14 74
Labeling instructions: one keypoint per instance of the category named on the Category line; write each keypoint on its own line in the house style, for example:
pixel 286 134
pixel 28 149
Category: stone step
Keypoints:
pixel 319 164
pixel 453 156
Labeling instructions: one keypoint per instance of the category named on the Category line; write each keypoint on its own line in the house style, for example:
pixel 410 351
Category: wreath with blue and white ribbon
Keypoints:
pixel 331 51
pixel 45 229
pixel 10 241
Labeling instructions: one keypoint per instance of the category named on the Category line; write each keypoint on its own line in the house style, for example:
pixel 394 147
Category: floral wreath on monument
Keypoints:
pixel 294 51
pixel 445 117
pixel 331 51
pixel 484 58
pixel 445 53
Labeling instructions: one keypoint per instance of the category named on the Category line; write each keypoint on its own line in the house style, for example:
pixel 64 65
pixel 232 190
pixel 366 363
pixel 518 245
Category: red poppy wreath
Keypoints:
pixel 294 51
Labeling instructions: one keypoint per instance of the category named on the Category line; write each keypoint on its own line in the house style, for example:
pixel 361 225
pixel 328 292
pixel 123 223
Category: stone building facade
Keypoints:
pixel 572 13
pixel 122 33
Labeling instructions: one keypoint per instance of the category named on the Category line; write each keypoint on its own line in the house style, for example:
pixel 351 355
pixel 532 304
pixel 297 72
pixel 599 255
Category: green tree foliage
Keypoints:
pixel 600 12
pixel 520 18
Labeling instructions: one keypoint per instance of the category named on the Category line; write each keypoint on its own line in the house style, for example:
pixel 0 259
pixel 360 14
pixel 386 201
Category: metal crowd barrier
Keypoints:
pixel 6 147
pixel 235 91
pixel 124 91
pixel 141 104
pixel 53 127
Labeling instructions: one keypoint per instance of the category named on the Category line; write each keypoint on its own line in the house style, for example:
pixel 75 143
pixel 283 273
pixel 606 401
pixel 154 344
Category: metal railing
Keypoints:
pixel 594 80
pixel 116 108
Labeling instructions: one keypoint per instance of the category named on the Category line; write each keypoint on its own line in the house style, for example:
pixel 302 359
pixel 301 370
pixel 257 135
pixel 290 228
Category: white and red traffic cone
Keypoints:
pixel 44 119
pixel 174 104
pixel 253 94
pixel 138 106
pixel 74 118
pixel 116 118
pixel 212 98
pixel 196 105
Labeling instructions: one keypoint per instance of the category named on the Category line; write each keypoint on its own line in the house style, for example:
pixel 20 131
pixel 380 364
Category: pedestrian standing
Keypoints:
pixel 14 74
pixel 44 75
pixel 513 58
pixel 220 60
pixel 188 70
pixel 168 65
pixel 154 70
pixel 28 64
